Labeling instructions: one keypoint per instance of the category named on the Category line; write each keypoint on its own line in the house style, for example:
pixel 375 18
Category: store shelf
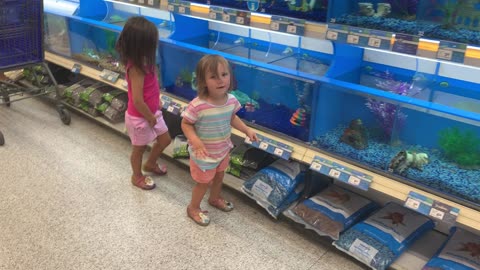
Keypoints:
pixel 85 70
pixel 467 216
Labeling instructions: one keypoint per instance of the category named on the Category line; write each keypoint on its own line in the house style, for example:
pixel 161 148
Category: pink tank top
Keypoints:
pixel 151 92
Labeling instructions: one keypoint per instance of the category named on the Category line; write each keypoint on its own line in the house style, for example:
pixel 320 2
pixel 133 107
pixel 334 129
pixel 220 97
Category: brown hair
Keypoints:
pixel 138 43
pixel 209 63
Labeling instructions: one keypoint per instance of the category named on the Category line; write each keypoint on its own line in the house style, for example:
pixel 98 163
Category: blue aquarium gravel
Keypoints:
pixel 438 174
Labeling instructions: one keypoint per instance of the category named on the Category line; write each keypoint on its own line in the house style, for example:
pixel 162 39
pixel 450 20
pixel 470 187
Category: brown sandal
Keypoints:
pixel 157 170
pixel 221 204
pixel 143 182
pixel 200 217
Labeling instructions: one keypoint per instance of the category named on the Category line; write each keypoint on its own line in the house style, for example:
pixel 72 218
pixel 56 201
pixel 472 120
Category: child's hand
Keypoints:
pixel 199 149
pixel 251 135
pixel 152 121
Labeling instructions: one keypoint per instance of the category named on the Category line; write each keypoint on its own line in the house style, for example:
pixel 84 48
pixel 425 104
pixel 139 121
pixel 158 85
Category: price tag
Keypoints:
pixel 379 39
pixel 452 51
pixel 271 146
pixel 141 2
pixel 178 6
pixel 171 106
pixel 216 13
pixel 405 44
pixel 212 15
pixel 76 68
pixel 109 75
pixel 125 84
pixel 432 208
pixel 353 39
pixel 151 2
pixel 334 173
pixel 287 25
pixel 341 173
pixel 338 32
pixel 231 15
pixel 436 213
pixel 240 20
pixel 332 35
pixel 353 180
pixel 225 17
pixel 412 203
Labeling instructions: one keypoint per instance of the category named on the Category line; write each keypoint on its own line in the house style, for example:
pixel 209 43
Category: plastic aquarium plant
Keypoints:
pixel 463 148
pixel 388 114
pixel 451 9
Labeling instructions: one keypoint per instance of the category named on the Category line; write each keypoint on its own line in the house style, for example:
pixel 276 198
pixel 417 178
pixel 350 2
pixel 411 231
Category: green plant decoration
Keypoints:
pixel 463 148
pixel 186 75
pixel 255 95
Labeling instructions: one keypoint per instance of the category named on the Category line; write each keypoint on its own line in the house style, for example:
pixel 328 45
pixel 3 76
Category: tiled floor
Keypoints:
pixel 66 203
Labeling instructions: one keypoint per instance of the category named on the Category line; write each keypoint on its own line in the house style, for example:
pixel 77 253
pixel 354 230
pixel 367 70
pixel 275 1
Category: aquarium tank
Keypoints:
pixel 414 123
pixel 452 20
pixel 56 37
pixel 312 10
pixel 270 100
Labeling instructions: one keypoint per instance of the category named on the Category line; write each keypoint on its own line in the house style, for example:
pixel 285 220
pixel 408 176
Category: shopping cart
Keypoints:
pixel 21 46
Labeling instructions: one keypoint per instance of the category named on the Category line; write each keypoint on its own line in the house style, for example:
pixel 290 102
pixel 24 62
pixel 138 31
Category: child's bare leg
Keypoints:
pixel 216 187
pixel 136 160
pixel 198 192
pixel 160 144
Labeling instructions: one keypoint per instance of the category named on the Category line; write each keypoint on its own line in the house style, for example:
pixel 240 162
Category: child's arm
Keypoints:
pixel 136 79
pixel 197 145
pixel 240 125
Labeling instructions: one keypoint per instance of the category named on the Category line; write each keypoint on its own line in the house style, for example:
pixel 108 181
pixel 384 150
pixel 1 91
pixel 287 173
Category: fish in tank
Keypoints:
pixel 434 147
pixel 312 10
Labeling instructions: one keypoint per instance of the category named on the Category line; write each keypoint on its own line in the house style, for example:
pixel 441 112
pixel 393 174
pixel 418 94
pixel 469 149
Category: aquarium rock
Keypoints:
pixel 406 159
pixel 355 135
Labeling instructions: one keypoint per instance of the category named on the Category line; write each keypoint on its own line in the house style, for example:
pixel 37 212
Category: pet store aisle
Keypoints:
pixel 66 202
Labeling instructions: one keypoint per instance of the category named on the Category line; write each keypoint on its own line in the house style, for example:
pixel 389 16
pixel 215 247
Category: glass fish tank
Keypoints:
pixel 271 100
pixel 56 37
pixel 453 20
pixel 422 128
pixel 312 10
pixel 277 49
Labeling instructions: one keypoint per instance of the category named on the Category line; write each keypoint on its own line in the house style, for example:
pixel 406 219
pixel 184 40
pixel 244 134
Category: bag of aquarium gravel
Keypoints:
pixel 461 251
pixel 331 211
pixel 382 237
pixel 180 147
pixel 272 185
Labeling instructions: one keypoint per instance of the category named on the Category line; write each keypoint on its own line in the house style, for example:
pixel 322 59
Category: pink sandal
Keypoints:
pixel 143 182
pixel 157 170
pixel 221 204
pixel 200 217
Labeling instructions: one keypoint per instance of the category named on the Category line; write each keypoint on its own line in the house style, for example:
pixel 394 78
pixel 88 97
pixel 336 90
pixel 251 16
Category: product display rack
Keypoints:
pixel 380 184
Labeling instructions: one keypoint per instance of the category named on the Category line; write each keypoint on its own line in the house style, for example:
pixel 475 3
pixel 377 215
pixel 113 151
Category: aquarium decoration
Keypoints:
pixel 184 77
pixel 463 148
pixel 299 117
pixel 366 9
pixel 355 135
pixel 407 159
pixel 244 99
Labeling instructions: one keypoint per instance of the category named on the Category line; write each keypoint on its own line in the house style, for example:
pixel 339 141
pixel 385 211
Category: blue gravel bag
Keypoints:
pixel 272 185
pixel 382 237
pixel 291 198
pixel 331 211
pixel 461 251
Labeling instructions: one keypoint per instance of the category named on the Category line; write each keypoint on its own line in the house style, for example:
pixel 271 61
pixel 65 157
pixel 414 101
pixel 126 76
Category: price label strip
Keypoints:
pixel 380 39
pixel 452 51
pixel 149 3
pixel 271 146
pixel 177 6
pixel 287 25
pixel 406 44
pixel 236 16
pixel 171 106
pixel 432 208
pixel 216 13
pixel 109 75
pixel 341 173
pixel 338 32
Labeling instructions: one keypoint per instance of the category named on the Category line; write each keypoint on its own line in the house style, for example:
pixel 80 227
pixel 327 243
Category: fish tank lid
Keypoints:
pixel 61 7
